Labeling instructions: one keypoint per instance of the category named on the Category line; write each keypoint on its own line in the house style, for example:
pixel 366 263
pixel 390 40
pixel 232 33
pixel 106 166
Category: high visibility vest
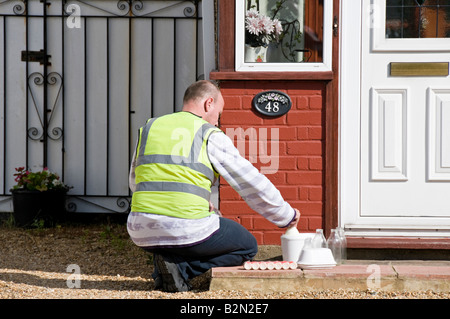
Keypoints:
pixel 173 171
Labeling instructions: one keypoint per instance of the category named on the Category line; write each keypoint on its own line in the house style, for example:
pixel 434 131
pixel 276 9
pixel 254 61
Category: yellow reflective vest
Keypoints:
pixel 173 171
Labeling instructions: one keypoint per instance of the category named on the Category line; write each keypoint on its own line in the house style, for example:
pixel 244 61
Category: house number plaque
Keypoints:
pixel 272 103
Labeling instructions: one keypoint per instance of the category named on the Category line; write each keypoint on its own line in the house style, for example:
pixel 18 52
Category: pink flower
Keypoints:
pixel 277 26
pixel 252 13
pixel 261 30
pixel 252 25
pixel 266 24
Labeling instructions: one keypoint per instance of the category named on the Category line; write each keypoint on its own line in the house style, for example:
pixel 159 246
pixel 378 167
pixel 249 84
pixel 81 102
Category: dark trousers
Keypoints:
pixel 231 245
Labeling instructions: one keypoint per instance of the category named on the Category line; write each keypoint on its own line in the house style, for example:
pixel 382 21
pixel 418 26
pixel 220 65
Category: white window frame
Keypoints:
pixel 326 65
pixel 379 42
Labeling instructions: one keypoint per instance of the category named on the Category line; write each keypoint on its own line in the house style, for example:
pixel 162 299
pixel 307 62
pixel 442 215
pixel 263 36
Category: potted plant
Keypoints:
pixel 260 30
pixel 38 196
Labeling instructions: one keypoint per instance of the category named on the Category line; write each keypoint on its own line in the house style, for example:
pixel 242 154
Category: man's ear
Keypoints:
pixel 208 104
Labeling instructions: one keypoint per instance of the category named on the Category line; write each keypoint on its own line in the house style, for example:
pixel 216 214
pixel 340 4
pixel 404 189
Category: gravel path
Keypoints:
pixel 42 263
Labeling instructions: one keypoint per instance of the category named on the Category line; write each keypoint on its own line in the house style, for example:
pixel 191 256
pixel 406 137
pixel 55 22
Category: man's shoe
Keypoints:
pixel 158 283
pixel 172 281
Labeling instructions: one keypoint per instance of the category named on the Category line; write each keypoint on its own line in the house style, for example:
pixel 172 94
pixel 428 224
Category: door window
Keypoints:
pixel 417 19
pixel 409 25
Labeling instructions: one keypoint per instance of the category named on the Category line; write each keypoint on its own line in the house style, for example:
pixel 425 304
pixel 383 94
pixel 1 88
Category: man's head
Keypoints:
pixel 204 99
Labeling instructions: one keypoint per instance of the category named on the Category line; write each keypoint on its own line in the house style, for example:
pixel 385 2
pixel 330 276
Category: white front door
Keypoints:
pixel 395 118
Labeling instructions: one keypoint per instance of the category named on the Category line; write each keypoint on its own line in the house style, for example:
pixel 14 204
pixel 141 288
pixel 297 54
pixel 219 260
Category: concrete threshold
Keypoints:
pixel 353 274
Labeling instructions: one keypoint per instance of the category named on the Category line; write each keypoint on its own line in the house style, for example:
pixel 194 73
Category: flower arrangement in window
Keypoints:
pixel 280 28
pixel 260 30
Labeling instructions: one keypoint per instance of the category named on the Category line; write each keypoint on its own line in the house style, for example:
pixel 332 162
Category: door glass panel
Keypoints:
pixel 417 18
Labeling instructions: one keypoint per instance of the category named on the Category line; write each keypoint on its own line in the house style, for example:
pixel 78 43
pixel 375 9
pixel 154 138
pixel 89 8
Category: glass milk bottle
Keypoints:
pixel 319 241
pixel 335 245
pixel 341 234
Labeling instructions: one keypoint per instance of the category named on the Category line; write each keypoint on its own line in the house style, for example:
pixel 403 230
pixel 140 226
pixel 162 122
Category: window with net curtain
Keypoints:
pixel 284 31
pixel 417 18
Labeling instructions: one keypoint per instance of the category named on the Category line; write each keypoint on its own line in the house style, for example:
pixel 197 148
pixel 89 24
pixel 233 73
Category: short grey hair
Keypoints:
pixel 201 89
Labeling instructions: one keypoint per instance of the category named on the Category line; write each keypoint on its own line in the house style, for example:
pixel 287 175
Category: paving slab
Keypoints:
pixel 374 275
pixel 370 276
pixel 423 277
pixel 422 271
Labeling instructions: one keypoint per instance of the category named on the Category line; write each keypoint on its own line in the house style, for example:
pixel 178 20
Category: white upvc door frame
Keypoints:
pixel 350 101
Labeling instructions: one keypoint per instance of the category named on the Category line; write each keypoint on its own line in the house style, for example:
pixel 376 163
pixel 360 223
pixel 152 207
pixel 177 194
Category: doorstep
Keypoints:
pixel 362 275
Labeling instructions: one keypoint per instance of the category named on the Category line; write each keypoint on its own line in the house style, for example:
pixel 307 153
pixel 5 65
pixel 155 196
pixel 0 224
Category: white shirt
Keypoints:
pixel 152 230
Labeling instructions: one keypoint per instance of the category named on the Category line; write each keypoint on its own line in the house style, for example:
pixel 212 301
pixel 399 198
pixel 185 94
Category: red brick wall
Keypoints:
pixel 300 170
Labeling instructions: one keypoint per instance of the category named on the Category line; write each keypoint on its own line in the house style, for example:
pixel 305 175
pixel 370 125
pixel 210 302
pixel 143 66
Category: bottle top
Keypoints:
pixel 292 231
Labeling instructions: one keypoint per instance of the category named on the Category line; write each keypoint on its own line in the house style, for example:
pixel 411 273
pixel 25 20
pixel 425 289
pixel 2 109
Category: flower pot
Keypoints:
pixel 255 54
pixel 31 206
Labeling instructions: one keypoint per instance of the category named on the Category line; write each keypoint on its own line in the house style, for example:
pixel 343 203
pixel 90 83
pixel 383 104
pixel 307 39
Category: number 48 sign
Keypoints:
pixel 272 103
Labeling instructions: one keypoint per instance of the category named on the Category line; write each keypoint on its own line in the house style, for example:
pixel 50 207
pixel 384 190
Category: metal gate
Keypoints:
pixel 78 78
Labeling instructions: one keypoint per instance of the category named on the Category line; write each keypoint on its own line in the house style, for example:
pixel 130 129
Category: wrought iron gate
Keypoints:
pixel 78 80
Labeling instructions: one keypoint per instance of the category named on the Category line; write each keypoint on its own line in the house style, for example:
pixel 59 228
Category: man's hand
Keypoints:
pixel 213 209
pixel 295 220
